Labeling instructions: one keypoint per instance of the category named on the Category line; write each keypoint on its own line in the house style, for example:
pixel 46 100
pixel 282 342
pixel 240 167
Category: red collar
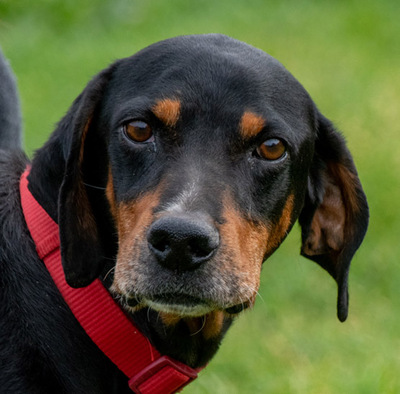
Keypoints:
pixel 103 320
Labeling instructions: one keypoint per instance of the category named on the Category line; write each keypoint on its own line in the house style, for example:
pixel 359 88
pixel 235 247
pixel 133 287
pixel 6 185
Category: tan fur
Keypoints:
pixel 348 184
pixel 170 319
pixel 111 196
pixel 279 231
pixel 245 244
pixel 132 219
pixel 209 326
pixel 213 324
pixel 338 206
pixel 168 111
pixel 251 124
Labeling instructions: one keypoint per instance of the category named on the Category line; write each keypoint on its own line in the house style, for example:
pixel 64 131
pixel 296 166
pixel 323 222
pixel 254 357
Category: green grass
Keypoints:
pixel 347 55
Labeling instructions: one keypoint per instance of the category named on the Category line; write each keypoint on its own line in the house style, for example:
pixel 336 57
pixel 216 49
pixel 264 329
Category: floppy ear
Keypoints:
pixel 82 205
pixel 335 215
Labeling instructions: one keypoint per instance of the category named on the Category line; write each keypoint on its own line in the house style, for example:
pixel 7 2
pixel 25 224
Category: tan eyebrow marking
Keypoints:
pixel 168 111
pixel 251 124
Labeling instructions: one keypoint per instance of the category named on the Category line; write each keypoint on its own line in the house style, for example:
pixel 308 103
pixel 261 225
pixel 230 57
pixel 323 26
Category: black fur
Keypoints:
pixel 216 79
pixel 10 112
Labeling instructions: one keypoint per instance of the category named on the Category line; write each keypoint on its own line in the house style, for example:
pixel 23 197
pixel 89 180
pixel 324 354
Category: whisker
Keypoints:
pixel 148 315
pixel 108 258
pixel 204 318
pixel 253 290
pixel 163 326
pixel 260 297
pixel 94 187
pixel 108 273
pixel 242 303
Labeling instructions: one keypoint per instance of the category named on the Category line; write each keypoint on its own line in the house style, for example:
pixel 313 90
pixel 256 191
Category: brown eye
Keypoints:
pixel 272 149
pixel 139 131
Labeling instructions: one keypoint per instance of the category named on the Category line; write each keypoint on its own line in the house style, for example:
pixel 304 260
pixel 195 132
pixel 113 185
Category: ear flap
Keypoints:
pixel 82 248
pixel 335 215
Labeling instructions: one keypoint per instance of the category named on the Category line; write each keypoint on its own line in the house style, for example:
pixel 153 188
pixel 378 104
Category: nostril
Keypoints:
pixel 201 247
pixel 159 240
pixel 159 243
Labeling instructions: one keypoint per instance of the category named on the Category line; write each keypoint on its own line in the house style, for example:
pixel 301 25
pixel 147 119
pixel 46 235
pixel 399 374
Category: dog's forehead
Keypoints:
pixel 210 70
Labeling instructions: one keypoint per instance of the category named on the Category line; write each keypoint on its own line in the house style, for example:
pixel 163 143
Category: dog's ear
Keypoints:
pixel 81 195
pixel 335 215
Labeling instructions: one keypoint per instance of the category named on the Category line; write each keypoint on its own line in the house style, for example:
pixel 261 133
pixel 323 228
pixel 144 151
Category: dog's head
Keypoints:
pixel 188 163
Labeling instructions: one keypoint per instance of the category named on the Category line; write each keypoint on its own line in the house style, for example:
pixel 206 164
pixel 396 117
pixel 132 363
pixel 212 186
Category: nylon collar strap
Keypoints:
pixel 101 317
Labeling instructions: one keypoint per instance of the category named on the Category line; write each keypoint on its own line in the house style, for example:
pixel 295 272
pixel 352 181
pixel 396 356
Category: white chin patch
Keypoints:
pixel 180 310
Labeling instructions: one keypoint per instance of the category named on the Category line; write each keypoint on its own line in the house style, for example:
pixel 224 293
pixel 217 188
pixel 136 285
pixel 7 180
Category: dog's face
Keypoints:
pixel 207 174
pixel 208 151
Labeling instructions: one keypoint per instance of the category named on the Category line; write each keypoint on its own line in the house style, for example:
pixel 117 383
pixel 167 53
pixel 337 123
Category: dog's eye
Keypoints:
pixel 139 131
pixel 271 149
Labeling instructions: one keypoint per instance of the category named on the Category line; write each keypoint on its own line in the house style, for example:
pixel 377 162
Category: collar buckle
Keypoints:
pixel 162 376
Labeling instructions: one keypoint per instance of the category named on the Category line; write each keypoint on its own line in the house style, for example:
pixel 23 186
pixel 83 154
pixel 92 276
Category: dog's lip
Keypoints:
pixel 183 304
pixel 178 299
pixel 180 304
pixel 187 305
pixel 236 309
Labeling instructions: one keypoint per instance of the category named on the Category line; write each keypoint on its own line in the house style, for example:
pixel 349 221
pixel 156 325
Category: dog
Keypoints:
pixel 172 177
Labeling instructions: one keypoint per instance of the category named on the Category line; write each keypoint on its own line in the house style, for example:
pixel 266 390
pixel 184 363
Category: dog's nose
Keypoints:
pixel 182 243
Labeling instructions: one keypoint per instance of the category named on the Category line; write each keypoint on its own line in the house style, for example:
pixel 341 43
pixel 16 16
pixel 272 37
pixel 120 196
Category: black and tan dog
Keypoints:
pixel 173 176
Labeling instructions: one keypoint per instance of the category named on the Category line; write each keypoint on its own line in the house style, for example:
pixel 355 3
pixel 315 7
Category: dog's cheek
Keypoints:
pixel 110 195
pixel 280 229
pixel 133 219
pixel 245 242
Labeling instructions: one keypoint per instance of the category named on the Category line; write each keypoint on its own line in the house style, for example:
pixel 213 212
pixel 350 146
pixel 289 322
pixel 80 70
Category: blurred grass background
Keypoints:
pixel 347 55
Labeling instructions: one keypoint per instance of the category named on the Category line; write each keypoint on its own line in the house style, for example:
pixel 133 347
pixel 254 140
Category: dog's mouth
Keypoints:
pixel 182 305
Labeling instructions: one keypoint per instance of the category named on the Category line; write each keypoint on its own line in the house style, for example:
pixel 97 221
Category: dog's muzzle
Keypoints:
pixel 182 242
